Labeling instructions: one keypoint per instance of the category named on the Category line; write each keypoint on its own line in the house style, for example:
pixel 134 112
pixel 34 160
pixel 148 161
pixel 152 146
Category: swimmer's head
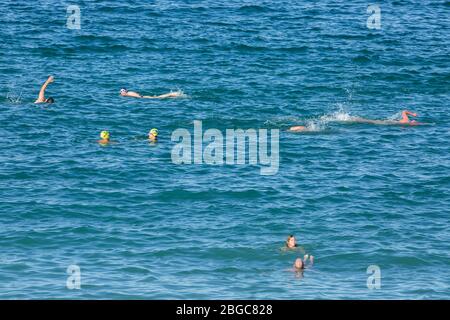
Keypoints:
pixel 50 100
pixel 291 242
pixel 153 133
pixel 123 91
pixel 104 135
pixel 299 265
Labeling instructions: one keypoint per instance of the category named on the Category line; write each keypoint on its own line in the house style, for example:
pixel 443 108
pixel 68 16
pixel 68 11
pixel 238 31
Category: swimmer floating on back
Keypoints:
pixel 41 98
pixel 126 93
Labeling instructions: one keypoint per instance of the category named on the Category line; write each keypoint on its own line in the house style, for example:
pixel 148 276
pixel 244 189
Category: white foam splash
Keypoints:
pixel 339 115
pixel 396 116
pixel 179 93
pixel 14 98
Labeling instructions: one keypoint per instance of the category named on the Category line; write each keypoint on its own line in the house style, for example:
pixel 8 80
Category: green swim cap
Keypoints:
pixel 104 135
pixel 154 132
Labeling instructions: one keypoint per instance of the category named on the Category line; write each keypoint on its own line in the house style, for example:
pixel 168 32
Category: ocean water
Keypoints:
pixel 141 227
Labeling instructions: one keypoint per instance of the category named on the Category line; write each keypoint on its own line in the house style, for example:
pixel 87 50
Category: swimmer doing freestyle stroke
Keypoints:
pixel 403 121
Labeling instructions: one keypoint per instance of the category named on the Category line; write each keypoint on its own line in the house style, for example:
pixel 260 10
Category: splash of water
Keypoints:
pixel 315 126
pixel 396 116
pixel 340 115
pixel 14 98
pixel 179 93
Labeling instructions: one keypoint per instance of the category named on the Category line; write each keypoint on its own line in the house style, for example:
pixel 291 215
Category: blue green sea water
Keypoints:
pixel 141 227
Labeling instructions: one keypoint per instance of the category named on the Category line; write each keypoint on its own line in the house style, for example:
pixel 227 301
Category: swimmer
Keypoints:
pixel 153 135
pixel 104 135
pixel 126 93
pixel 41 98
pixel 403 121
pixel 291 242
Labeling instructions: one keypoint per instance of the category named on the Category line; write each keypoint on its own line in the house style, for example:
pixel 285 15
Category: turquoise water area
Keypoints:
pixel 142 227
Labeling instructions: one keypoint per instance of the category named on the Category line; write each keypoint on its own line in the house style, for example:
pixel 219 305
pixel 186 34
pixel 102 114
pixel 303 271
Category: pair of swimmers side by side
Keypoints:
pixel 299 264
pixel 105 137
pixel 405 120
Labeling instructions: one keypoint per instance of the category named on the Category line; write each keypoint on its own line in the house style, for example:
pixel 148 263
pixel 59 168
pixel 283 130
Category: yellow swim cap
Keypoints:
pixel 104 135
pixel 154 132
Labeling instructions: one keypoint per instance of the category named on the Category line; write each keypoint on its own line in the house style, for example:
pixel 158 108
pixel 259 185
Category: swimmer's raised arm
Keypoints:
pixel 410 113
pixel 41 97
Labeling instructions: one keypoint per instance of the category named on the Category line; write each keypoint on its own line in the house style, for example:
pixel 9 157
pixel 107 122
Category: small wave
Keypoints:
pixel 299 49
pixel 253 9
pixel 247 47
pixel 361 59
pixel 282 121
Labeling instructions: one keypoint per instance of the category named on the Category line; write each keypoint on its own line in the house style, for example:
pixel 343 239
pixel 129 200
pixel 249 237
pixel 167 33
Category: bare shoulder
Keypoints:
pixel 298 129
